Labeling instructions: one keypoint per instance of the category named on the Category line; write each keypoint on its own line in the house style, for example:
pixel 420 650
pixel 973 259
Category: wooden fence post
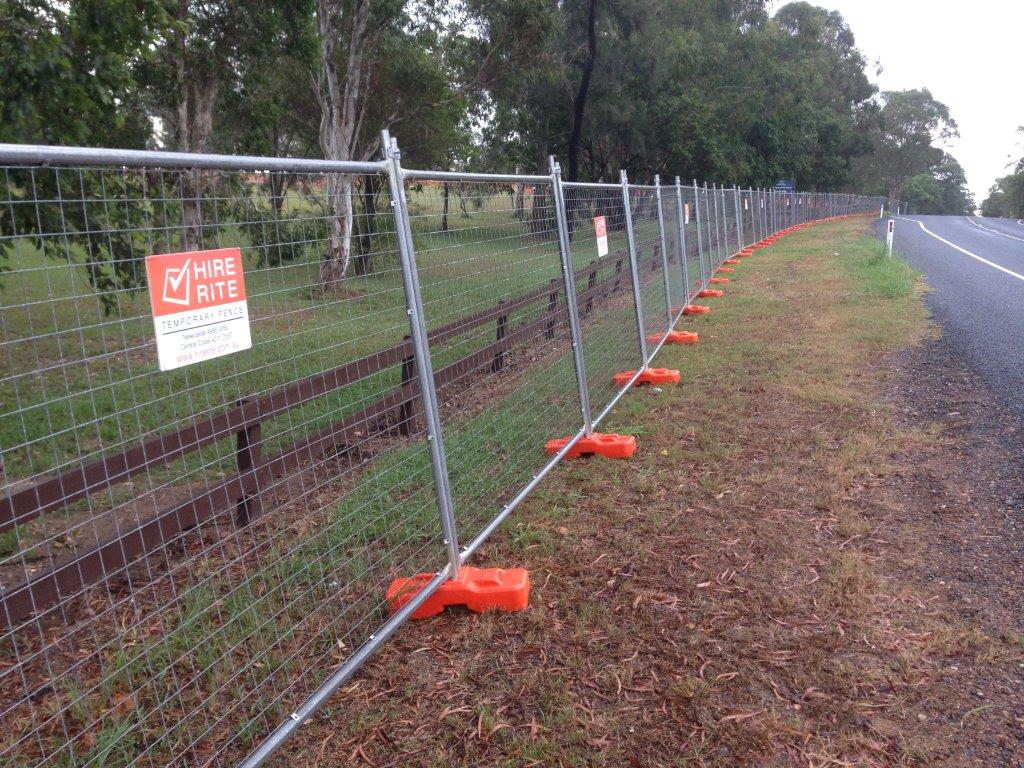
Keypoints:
pixel 499 356
pixel 549 332
pixel 248 459
pixel 407 410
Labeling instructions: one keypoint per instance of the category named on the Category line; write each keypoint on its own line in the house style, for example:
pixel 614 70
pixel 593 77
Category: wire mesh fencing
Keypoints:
pixel 491 275
pixel 154 611
pixel 212 474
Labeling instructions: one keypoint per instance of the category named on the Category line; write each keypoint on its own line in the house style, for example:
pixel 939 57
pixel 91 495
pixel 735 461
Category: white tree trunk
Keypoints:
pixel 338 117
pixel 193 124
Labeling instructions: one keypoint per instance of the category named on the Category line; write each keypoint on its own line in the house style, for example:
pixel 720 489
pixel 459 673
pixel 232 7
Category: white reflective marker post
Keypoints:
pixel 889 230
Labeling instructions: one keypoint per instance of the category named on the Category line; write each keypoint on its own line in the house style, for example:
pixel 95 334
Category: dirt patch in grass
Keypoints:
pixel 814 559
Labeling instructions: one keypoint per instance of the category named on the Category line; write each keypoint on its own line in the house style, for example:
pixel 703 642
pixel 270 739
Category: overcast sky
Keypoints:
pixel 969 55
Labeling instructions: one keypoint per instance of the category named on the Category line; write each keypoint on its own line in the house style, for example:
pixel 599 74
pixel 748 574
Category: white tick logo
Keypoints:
pixel 176 285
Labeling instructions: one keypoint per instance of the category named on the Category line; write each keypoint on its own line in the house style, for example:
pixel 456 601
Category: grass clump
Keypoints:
pixel 878 273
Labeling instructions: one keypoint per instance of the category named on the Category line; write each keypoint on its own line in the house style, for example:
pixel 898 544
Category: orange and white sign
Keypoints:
pixel 601 230
pixel 199 306
pixel 686 213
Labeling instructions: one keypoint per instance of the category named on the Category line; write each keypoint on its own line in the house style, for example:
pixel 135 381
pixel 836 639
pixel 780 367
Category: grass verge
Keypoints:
pixel 724 597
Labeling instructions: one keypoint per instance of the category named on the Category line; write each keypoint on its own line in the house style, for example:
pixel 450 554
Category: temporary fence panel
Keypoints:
pixel 709 209
pixel 651 266
pixel 491 273
pixel 674 237
pixel 191 551
pixel 605 296
pixel 686 200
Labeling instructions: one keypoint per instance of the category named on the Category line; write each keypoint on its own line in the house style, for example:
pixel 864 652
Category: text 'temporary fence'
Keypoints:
pixel 193 559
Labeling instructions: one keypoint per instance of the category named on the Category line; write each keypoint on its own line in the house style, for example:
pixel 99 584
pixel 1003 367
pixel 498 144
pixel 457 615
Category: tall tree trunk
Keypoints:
pixel 579 104
pixel 363 263
pixel 518 198
pixel 338 117
pixel 193 123
pixel 539 210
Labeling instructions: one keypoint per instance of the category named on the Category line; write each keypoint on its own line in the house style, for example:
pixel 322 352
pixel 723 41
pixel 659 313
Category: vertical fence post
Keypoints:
pixel 711 196
pixel 720 221
pixel 707 215
pixel 634 271
pixel 664 249
pixel 700 239
pixel 421 350
pixel 760 233
pixel 723 236
pixel 754 223
pixel 755 215
pixel 726 215
pixel 572 307
pixel 681 226
pixel 765 231
pixel 762 214
pixel 740 238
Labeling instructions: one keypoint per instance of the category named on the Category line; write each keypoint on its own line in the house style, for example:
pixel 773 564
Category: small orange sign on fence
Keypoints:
pixel 199 305
pixel 601 230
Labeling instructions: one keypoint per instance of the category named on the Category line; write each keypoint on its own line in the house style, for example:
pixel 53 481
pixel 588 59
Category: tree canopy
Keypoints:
pixel 722 90
pixel 942 189
pixel 1006 197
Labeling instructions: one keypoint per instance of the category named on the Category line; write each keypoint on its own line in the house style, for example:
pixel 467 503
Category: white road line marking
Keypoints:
pixel 965 251
pixel 995 231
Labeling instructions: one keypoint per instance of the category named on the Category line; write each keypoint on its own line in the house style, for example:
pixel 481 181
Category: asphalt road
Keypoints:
pixel 975 267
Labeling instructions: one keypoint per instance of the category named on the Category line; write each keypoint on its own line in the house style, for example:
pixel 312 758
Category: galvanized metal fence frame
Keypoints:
pixel 714 225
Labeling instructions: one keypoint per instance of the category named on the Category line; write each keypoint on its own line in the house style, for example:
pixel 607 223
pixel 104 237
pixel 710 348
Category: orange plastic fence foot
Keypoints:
pixel 731 261
pixel 682 337
pixel 719 280
pixel 725 270
pixel 647 376
pixel 710 293
pixel 696 309
pixel 611 446
pixel 479 589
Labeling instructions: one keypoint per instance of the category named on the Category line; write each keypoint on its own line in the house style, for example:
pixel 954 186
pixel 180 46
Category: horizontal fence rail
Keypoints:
pixel 192 560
